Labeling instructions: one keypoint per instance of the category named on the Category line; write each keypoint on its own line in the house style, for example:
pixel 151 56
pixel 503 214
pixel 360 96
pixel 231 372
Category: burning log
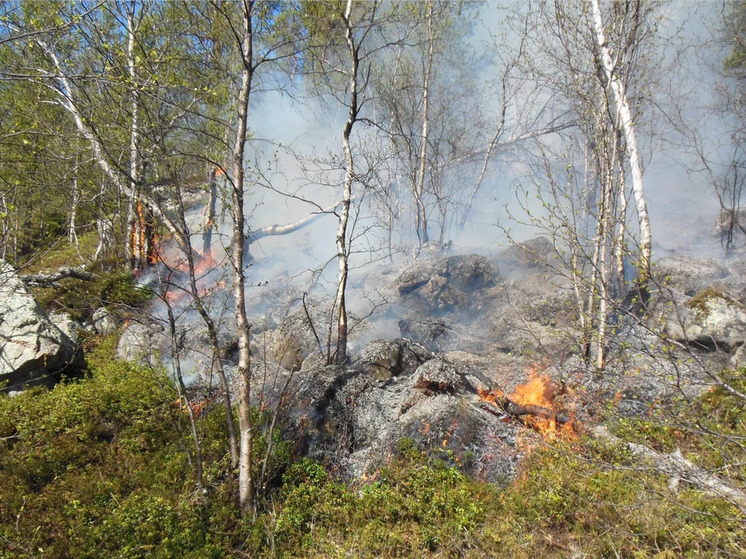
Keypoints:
pixel 505 406
pixel 531 404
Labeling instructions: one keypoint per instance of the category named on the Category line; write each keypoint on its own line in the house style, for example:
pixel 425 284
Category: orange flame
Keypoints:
pixel 540 392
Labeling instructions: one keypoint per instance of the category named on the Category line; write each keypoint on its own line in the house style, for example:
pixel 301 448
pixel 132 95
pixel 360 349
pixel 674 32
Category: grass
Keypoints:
pixel 99 467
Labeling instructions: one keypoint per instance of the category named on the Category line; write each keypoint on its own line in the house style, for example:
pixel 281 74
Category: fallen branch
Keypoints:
pixel 506 407
pixel 275 230
pixel 50 280
pixel 679 469
pixel 502 405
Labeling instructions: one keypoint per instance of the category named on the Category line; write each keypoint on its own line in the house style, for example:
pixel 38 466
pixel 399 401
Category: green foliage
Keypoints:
pixel 409 508
pixel 99 468
pixel 117 291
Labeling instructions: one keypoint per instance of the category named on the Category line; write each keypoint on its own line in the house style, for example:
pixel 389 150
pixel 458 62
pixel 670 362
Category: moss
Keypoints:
pixel 117 291
pixel 698 303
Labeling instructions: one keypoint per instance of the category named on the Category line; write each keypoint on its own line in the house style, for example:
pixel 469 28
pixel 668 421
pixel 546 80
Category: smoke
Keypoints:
pixel 294 169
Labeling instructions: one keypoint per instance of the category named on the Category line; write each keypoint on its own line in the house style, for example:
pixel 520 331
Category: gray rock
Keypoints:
pixel 103 322
pixel 687 275
pixel 69 327
pixel 355 418
pixel 711 319
pixel 144 342
pixel 32 348
pixel 532 253
pixel 439 377
pixel 382 360
pixel 446 284
pixel 296 336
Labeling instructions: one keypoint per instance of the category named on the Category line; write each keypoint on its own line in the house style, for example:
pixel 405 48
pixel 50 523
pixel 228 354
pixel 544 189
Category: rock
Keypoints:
pixel 430 332
pixel 437 376
pixel 532 253
pixel 687 275
pixel 738 360
pixel 103 322
pixel 728 221
pixel 355 418
pixel 144 342
pixel 69 327
pixel 711 319
pixel 446 284
pixel 296 336
pixel 33 349
pixel 382 360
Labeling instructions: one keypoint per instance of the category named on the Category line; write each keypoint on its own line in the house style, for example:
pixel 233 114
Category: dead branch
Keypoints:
pixel 273 230
pixel 505 406
pixel 679 469
pixel 50 280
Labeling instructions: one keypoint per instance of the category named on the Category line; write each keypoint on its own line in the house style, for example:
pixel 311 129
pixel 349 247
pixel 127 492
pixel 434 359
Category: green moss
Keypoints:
pixel 117 291
pixel 698 303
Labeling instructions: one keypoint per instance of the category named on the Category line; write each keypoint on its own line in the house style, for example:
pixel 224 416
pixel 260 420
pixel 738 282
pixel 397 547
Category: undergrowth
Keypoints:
pixel 99 467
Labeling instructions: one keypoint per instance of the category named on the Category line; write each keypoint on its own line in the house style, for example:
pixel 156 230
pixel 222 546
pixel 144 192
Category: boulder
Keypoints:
pixel 686 274
pixel 296 336
pixel 446 284
pixel 32 348
pixel 145 343
pixel 528 254
pixel 354 418
pixel 712 319
pixel 103 322
pixel 382 360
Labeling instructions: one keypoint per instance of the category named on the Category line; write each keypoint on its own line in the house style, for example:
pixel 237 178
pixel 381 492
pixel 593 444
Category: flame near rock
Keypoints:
pixel 534 405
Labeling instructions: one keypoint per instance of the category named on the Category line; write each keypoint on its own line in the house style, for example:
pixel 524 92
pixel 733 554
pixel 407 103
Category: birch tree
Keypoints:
pixel 588 67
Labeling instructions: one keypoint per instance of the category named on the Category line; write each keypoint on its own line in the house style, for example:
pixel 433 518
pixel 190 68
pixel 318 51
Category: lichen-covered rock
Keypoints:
pixel 383 359
pixel 355 418
pixel 32 347
pixel 144 342
pixel 103 322
pixel 711 319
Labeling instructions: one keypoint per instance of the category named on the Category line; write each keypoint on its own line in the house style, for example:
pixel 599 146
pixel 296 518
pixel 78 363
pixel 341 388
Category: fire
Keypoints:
pixel 204 264
pixel 533 403
pixel 538 391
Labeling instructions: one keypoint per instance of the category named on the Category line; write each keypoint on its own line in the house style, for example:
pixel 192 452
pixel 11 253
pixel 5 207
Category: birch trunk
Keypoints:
pixel 210 214
pixel 627 125
pixel 245 476
pixel 67 99
pixel 342 253
pixel 420 185
pixel 133 248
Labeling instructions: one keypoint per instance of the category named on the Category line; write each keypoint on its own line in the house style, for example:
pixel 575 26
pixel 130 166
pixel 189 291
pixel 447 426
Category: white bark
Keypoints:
pixel 66 94
pixel 344 215
pixel 679 468
pixel 425 136
pixel 245 476
pixel 628 128
pixel 134 245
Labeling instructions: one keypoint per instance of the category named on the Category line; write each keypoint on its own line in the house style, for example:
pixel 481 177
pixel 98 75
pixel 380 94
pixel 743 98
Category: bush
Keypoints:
pixel 117 291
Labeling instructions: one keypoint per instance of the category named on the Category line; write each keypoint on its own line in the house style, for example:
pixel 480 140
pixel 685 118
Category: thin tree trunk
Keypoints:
pixel 245 475
pixel 628 128
pixel 72 233
pixel 67 98
pixel 342 254
pixel 175 351
pixel 135 222
pixel 210 214
pixel 420 186
pixel 212 334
